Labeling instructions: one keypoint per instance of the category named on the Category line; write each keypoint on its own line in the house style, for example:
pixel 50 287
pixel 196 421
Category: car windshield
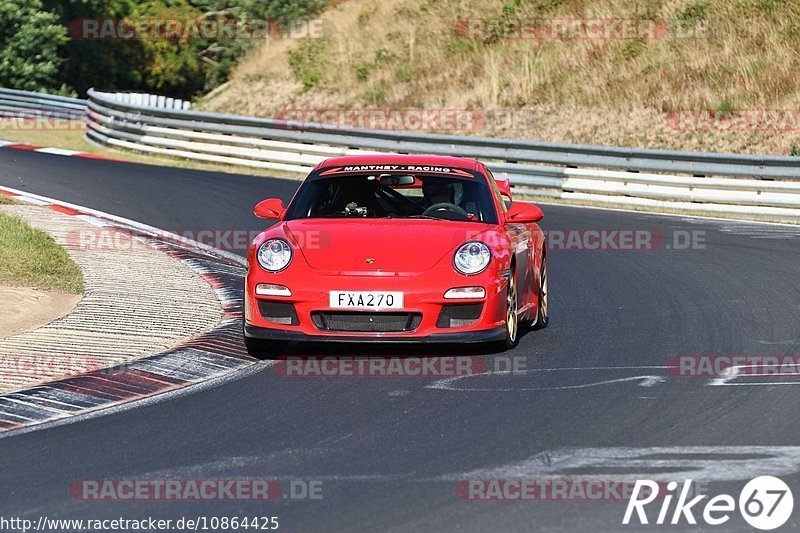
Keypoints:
pixel 394 196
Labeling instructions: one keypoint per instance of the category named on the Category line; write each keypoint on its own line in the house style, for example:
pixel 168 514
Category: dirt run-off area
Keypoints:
pixel 26 309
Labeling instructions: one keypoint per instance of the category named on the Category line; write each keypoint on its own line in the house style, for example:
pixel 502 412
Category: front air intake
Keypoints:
pixel 366 322
pixel 458 316
pixel 278 312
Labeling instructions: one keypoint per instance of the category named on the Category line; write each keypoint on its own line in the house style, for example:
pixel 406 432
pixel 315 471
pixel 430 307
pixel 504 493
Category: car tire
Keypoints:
pixel 542 309
pixel 512 314
pixel 263 348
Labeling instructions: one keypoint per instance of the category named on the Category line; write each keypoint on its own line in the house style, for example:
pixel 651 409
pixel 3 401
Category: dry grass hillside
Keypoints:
pixel 732 63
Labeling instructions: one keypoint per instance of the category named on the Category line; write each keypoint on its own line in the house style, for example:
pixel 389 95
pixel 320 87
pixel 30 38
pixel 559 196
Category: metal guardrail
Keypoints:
pixel 149 100
pixel 15 103
pixel 691 181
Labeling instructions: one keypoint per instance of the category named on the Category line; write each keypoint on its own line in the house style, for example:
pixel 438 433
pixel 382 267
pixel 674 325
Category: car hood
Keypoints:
pixel 378 245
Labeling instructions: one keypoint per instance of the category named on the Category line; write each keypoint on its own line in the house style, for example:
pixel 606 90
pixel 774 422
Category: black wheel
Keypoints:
pixel 264 349
pixel 542 316
pixel 512 316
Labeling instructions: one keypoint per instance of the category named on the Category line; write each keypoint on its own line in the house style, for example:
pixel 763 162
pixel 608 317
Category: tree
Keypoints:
pixel 34 32
pixel 104 64
pixel 30 39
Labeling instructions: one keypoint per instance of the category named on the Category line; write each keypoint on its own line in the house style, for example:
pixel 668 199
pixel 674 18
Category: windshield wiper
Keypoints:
pixel 426 217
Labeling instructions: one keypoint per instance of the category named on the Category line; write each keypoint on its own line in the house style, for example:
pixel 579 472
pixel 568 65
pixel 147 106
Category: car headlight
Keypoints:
pixel 274 255
pixel 472 258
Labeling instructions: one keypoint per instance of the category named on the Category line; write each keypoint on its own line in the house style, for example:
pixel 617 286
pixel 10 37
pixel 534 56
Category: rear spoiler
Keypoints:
pixel 504 185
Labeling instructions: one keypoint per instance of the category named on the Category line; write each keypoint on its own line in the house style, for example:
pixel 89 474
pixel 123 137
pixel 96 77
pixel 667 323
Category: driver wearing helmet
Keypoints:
pixel 438 191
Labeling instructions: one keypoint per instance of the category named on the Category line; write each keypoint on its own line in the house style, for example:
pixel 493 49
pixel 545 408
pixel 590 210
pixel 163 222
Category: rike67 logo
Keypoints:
pixel 765 503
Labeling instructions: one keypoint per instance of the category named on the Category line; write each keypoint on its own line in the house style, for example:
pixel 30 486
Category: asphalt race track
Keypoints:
pixel 389 452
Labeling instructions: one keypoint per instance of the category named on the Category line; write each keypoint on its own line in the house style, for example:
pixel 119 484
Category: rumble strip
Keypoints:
pixel 214 350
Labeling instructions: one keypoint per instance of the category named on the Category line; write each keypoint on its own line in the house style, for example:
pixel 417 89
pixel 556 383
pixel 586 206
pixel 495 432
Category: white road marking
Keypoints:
pixel 701 463
pixel 57 151
pixel 646 380
pixel 733 373
pixel 32 201
pixel 94 221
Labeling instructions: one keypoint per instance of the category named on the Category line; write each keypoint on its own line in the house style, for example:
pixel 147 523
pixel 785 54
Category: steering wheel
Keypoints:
pixel 445 206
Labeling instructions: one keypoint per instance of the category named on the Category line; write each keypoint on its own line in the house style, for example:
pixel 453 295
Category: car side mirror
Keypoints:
pixel 523 213
pixel 271 208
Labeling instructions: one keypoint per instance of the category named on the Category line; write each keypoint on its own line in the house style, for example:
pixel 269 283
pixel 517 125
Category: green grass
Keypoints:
pixel 5 200
pixel 693 14
pixel 305 60
pixel 724 56
pixel 31 258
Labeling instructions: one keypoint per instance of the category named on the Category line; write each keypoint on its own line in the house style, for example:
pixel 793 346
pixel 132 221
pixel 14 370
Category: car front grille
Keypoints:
pixel 456 316
pixel 366 322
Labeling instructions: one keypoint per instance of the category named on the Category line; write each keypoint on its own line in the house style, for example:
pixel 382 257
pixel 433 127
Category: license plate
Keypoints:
pixel 366 300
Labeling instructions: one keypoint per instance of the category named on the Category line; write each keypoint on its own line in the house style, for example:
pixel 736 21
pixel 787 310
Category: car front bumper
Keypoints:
pixel 423 298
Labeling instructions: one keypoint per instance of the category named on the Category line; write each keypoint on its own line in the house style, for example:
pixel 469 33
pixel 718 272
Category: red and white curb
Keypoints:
pixel 14 145
pixel 211 358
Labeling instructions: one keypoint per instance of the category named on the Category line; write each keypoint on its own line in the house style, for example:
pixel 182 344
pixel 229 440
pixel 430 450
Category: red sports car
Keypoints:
pixel 396 248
